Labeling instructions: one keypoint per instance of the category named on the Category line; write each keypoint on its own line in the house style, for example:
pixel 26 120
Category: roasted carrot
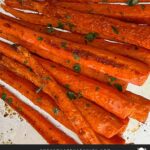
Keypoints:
pixel 97 1
pixel 122 12
pixel 114 140
pixel 82 128
pixel 104 78
pixel 83 23
pixel 92 90
pixel 141 106
pixel 114 102
pixel 128 50
pixel 105 62
pixel 49 132
pixel 40 99
pixel 102 123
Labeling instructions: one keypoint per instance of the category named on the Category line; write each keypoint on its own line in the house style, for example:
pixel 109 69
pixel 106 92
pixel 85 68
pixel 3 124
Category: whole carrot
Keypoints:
pixel 65 105
pixel 127 50
pixel 49 132
pixel 102 124
pixel 122 12
pixel 141 106
pixel 118 101
pixel 83 23
pixel 106 62
pixel 104 78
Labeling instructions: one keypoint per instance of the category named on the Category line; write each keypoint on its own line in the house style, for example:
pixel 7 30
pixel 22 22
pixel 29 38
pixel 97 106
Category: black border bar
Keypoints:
pixel 75 147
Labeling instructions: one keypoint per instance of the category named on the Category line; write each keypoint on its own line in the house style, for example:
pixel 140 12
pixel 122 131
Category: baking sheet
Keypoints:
pixel 15 130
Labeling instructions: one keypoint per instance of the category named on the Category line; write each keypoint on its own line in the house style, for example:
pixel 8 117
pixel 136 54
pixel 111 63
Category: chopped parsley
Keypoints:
pixel 4 95
pixel 9 100
pixel 132 2
pixel 60 25
pixel 115 30
pixel 50 28
pixel 56 111
pixel 64 45
pixel 77 68
pixel 91 36
pixel 40 38
pixel 112 79
pixel 71 95
pixel 76 56
pixel 71 26
pixel 118 87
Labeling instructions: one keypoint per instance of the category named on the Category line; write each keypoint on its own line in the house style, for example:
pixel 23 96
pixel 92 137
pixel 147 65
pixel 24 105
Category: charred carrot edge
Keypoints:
pixel 123 68
pixel 111 125
pixel 73 115
pixel 114 29
pixel 40 99
pixel 50 133
pixel 127 50
pixel 141 106
pixel 116 97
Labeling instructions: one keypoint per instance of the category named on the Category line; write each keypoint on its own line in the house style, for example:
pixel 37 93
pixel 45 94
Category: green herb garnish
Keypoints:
pixel 71 95
pixel 64 45
pixel 132 2
pixel 56 111
pixel 60 25
pixel 4 95
pixel 9 100
pixel 77 68
pixel 91 36
pixel 118 87
pixel 40 38
pixel 76 56
pixel 115 30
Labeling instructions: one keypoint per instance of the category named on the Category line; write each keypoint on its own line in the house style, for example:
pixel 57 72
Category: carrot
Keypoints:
pixel 114 140
pixel 82 128
pixel 97 1
pixel 90 89
pixel 116 102
pixel 128 50
pixel 106 62
pixel 102 26
pixel 49 132
pixel 104 78
pixel 102 123
pixel 122 12
pixel 40 99
pixel 141 106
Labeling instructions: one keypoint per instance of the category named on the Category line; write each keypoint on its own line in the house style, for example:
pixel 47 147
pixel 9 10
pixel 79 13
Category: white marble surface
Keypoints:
pixel 15 130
